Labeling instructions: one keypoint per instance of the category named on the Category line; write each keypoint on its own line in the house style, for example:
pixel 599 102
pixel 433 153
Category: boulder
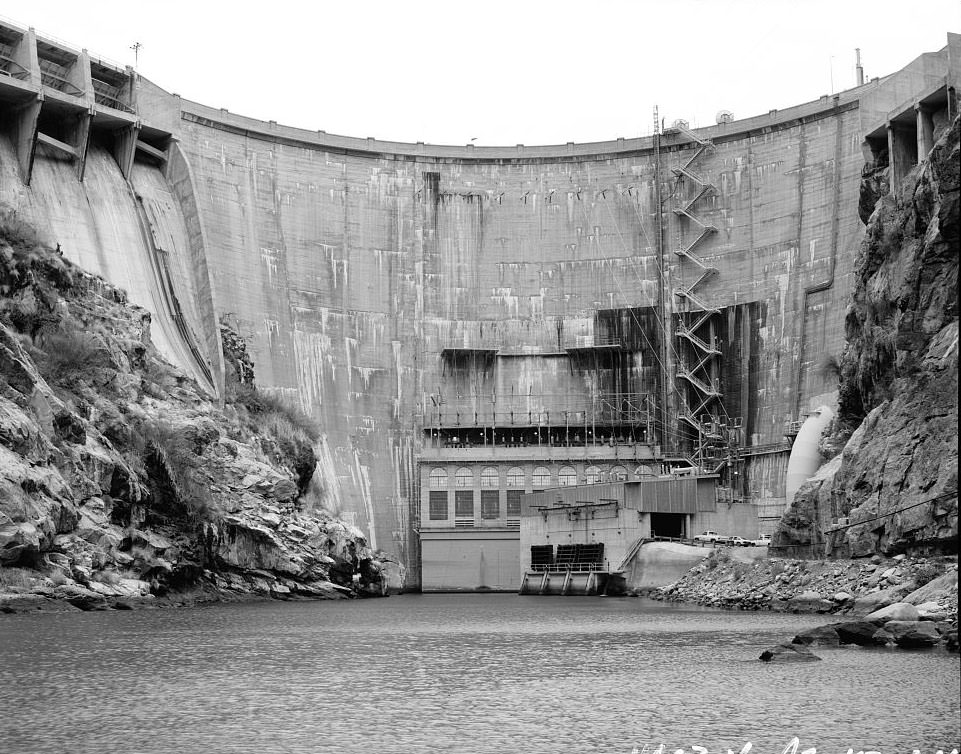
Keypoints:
pixel 825 636
pixel 870 602
pixel 107 590
pixel 80 597
pixel 913 633
pixel 856 632
pixel 942 586
pixel 883 638
pixel 150 542
pixel 58 563
pixel 898 611
pixel 951 640
pixel 133 587
pixel 806 601
pixel 18 540
pixel 21 603
pixel 932 611
pixel 788 653
pixel 94 528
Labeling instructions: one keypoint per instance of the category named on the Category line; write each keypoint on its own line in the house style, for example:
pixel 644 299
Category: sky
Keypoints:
pixel 494 72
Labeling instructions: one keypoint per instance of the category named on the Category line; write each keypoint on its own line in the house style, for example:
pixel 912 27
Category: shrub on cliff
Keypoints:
pixel 171 461
pixel 291 433
pixel 288 419
pixel 25 262
pixel 68 356
pixel 294 434
pixel 238 364
pixel 32 281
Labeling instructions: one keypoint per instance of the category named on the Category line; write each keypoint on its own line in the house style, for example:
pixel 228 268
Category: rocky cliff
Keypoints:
pixel 120 480
pixel 894 485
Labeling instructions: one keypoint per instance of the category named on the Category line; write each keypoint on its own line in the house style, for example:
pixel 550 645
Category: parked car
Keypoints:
pixel 740 542
pixel 709 536
pixel 763 541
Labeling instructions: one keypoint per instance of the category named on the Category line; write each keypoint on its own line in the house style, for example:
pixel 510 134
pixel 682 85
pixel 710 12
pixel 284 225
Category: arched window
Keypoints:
pixel 644 471
pixel 541 477
pixel 515 477
pixel 618 474
pixel 566 477
pixel 490 479
pixel 438 479
pixel 464 478
pixel 592 474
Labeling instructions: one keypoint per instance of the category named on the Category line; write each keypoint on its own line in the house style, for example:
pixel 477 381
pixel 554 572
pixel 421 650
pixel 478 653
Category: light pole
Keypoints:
pixel 136 52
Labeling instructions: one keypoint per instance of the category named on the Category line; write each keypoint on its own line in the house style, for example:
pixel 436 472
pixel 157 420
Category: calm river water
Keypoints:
pixel 477 674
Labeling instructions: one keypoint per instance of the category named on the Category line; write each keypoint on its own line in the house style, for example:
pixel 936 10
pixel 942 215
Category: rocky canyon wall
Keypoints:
pixel 894 486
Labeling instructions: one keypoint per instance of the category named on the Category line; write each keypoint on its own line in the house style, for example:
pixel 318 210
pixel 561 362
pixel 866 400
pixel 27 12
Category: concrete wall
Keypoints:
pixel 662 563
pixel 470 560
pixel 730 519
pixel 349 272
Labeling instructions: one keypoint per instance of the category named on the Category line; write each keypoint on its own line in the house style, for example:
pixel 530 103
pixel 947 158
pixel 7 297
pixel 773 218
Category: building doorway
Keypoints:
pixel 669 525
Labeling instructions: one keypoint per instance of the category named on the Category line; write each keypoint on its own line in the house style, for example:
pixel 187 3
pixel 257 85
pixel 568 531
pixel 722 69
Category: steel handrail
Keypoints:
pixel 113 102
pixel 65 85
pixel 6 60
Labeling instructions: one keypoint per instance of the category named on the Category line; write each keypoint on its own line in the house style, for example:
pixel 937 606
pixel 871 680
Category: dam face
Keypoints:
pixel 470 324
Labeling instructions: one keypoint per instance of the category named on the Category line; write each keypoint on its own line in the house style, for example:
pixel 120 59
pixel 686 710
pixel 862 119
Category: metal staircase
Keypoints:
pixel 683 331
pixel 698 354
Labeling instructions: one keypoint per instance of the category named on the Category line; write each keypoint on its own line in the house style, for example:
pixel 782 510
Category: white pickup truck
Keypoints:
pixel 711 536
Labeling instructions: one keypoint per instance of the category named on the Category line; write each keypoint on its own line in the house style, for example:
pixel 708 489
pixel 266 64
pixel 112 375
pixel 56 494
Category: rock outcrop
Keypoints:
pixel 860 586
pixel 907 634
pixel 788 653
pixel 121 480
pixel 894 487
pixel 875 183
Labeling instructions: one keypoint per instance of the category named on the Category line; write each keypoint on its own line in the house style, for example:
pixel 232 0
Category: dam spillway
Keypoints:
pixel 469 324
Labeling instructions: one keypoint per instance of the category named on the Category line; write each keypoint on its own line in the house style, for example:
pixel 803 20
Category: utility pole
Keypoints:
pixel 665 435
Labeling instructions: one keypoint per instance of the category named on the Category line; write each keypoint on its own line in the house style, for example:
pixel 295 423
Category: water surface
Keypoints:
pixel 479 674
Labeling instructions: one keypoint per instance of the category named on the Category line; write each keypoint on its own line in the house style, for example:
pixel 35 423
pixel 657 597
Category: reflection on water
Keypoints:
pixel 477 674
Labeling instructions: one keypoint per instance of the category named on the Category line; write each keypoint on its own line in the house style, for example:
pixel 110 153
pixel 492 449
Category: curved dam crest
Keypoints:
pixel 410 297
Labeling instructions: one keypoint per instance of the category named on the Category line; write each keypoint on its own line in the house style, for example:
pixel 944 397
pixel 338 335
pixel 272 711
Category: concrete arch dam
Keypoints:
pixel 439 308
